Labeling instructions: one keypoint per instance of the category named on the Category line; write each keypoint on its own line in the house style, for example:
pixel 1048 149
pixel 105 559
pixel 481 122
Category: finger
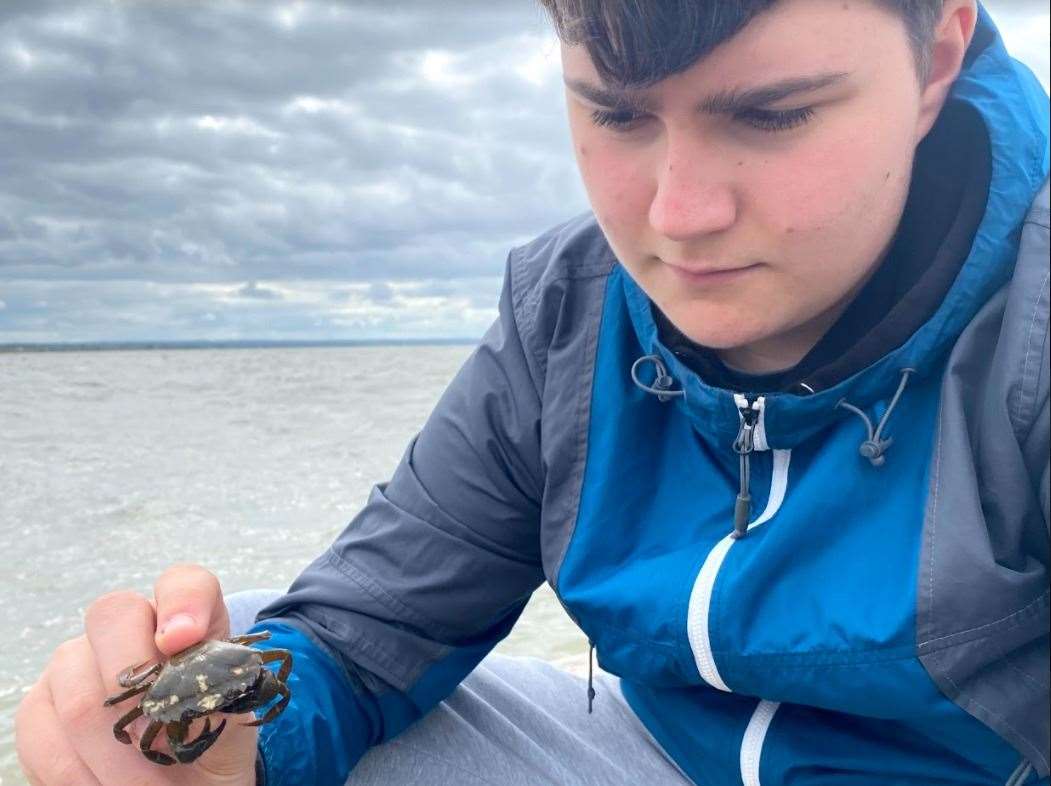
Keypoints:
pixel 45 753
pixel 76 692
pixel 189 608
pixel 120 628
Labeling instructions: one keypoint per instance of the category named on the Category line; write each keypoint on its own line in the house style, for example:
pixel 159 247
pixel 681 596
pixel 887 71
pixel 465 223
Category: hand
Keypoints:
pixel 64 734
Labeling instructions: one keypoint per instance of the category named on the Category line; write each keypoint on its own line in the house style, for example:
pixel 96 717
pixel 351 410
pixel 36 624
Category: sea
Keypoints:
pixel 249 461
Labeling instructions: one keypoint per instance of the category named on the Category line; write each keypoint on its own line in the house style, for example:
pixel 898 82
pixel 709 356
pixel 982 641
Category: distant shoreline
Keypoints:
pixel 111 346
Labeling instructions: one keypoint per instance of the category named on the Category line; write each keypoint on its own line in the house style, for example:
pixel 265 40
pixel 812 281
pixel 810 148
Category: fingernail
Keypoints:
pixel 176 622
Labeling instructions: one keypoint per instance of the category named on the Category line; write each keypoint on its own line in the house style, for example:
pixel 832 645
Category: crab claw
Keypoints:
pixel 188 752
pixel 129 679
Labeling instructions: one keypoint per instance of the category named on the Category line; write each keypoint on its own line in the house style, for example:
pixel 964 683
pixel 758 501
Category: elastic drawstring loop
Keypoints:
pixel 875 447
pixel 661 387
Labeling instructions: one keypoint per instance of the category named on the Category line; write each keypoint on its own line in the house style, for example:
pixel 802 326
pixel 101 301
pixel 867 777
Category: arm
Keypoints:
pixel 424 581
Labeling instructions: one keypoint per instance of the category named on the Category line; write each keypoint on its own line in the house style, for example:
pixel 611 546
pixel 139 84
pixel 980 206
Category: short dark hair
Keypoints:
pixel 636 43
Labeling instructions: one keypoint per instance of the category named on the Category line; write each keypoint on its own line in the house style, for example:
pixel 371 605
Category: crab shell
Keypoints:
pixel 202 679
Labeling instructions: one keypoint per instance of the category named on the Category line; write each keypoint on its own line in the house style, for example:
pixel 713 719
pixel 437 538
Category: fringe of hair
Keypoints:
pixel 635 43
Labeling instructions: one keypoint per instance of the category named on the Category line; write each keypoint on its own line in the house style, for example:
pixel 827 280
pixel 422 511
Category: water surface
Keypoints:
pixel 115 465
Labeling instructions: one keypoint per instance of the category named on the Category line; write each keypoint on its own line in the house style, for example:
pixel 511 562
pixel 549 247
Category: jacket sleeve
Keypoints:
pixel 424 581
pixel 1037 450
pixel 1036 446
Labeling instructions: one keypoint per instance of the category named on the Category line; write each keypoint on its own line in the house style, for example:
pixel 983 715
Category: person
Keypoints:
pixel 771 419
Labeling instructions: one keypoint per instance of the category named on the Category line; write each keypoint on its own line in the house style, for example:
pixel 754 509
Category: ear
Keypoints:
pixel 952 36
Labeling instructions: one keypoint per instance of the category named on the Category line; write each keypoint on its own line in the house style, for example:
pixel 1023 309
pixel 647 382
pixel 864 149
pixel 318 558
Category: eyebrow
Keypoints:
pixel 723 102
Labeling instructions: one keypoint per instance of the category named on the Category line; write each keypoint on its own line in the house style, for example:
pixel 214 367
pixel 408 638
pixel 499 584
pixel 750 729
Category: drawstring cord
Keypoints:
pixel 591 689
pixel 661 387
pixel 875 446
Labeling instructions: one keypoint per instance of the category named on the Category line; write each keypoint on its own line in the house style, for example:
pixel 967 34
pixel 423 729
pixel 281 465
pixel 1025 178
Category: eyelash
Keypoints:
pixel 768 120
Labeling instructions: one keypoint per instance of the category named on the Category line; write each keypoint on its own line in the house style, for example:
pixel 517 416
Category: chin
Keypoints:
pixel 715 332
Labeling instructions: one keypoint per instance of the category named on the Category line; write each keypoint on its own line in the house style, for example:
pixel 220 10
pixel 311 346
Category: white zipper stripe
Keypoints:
pixel 752 744
pixel 697 612
pixel 778 487
pixel 701 595
pixel 697 615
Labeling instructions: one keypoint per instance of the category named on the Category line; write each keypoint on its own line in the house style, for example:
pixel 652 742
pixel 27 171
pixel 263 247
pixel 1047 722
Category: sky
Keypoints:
pixel 274 170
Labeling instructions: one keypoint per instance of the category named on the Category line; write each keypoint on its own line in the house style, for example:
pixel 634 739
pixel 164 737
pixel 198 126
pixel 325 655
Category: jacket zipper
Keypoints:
pixel 749 409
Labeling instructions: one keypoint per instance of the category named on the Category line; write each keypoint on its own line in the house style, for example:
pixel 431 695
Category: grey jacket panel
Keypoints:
pixel 560 292
pixel 1038 348
pixel 1036 449
pixel 442 559
pixel 984 606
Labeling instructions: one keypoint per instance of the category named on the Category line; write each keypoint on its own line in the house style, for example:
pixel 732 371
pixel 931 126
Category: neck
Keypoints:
pixel 777 353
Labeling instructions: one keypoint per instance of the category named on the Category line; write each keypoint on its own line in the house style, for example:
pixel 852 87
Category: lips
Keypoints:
pixel 708 276
pixel 704 270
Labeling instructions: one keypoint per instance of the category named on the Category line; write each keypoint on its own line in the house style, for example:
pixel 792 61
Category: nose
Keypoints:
pixel 692 197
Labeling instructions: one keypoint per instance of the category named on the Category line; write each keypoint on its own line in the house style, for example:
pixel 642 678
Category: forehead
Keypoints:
pixel 790 38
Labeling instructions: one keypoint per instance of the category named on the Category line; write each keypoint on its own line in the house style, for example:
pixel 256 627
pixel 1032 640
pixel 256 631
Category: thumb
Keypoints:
pixel 190 608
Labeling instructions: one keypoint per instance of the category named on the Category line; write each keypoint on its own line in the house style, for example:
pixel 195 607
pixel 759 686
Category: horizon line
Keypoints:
pixel 247 343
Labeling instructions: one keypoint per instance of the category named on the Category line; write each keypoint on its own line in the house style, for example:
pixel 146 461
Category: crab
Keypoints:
pixel 221 675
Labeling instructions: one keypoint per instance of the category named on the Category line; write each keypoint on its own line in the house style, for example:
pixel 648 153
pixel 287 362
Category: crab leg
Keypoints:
pixel 118 727
pixel 147 740
pixel 250 638
pixel 286 662
pixel 277 709
pixel 126 695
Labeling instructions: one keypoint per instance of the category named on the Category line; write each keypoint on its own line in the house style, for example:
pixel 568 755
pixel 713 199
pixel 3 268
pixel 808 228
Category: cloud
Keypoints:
pixel 51 311
pixel 248 140
pixel 253 290
pixel 380 292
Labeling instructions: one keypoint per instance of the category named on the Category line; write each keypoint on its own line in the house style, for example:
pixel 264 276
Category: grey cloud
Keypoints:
pixel 109 130
pixel 380 292
pixel 253 290
pixel 84 311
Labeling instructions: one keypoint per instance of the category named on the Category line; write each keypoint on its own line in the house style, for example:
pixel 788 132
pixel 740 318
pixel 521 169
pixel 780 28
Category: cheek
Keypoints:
pixel 618 185
pixel 831 192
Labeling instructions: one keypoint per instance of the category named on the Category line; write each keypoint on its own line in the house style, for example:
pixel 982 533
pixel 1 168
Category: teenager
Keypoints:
pixel 771 419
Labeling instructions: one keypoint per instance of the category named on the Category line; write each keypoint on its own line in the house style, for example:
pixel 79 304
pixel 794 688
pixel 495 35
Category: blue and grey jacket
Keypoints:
pixel 881 613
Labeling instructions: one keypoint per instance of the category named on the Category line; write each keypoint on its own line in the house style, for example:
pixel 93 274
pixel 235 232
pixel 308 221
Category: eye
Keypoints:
pixel 617 119
pixel 771 120
pixel 775 120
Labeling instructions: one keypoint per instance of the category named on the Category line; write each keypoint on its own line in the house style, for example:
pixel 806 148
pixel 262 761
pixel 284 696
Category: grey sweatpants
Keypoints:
pixel 512 722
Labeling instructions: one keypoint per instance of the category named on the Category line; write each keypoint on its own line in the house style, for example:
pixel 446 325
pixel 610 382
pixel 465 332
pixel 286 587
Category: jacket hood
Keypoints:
pixel 1013 108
